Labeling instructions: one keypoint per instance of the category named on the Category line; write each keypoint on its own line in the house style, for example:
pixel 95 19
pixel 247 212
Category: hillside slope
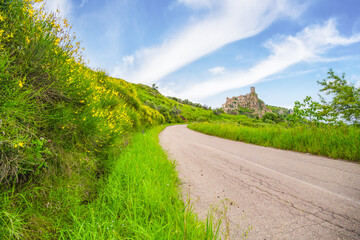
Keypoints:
pixel 63 127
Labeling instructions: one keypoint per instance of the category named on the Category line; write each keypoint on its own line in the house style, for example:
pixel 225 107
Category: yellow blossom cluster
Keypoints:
pixel 105 104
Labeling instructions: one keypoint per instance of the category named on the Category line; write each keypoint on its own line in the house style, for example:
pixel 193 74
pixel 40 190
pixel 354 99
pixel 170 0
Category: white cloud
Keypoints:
pixel 64 6
pixel 217 70
pixel 227 22
pixel 306 46
pixel 127 62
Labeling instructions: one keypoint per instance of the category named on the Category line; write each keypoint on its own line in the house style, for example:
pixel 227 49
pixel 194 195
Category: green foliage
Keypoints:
pixel 140 199
pixel 326 140
pixel 187 102
pixel 280 111
pixel 244 111
pixel 218 111
pixel 343 106
pixel 308 109
pixel 345 103
pixel 272 117
pixel 60 122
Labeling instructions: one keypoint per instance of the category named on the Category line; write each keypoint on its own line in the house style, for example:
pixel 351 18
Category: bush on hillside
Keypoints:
pixel 51 102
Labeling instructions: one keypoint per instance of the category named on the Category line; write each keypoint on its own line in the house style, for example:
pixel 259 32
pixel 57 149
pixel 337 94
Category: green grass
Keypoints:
pixel 67 169
pixel 341 142
pixel 61 124
pixel 140 199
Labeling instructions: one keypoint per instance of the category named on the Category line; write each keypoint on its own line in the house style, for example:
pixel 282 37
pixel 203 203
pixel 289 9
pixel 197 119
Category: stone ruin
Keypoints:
pixel 249 101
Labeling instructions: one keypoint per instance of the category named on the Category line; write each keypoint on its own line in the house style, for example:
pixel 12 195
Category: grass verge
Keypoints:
pixel 140 199
pixel 331 141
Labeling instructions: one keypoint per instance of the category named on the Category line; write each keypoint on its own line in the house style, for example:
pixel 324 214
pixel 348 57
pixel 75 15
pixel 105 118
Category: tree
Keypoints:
pixel 345 103
pixel 308 109
pixel 154 86
pixel 272 117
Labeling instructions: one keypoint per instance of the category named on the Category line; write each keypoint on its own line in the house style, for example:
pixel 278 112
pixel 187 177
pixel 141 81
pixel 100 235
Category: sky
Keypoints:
pixel 207 50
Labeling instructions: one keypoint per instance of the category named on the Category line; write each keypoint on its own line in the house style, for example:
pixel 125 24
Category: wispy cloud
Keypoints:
pixel 306 46
pixel 226 22
pixel 83 2
pixel 217 70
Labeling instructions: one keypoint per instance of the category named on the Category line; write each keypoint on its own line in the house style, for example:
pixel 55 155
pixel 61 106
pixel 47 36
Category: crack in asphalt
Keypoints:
pixel 281 205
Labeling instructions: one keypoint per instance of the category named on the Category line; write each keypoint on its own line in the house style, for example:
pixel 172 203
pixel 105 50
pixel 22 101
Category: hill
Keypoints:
pixel 64 129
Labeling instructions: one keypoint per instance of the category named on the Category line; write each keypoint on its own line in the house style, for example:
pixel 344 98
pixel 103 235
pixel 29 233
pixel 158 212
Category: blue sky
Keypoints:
pixel 207 50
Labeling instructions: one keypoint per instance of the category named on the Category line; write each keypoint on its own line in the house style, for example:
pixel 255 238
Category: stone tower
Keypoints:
pixel 252 89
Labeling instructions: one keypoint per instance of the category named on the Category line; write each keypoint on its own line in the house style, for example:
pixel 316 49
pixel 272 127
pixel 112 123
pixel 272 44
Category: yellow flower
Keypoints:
pixel 1 18
pixel 31 12
pixel 15 145
pixel 27 40
pixel 21 144
pixel 21 84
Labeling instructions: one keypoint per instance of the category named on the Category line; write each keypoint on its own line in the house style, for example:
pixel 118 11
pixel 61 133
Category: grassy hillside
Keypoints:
pixel 172 110
pixel 63 128
pixel 280 111
pixel 180 111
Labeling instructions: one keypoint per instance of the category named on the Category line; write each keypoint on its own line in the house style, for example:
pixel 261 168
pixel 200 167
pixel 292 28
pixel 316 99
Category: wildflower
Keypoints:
pixel 15 146
pixel 21 144
pixel 1 18
pixel 21 84
pixel 27 40
pixel 31 12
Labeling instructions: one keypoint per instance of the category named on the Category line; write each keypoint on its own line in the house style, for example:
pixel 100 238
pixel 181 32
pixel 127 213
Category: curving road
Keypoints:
pixel 277 194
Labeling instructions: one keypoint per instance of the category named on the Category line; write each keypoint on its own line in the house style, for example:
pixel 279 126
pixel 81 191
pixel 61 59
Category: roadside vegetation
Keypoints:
pixel 74 161
pixel 331 141
pixel 63 131
pixel 140 199
pixel 329 128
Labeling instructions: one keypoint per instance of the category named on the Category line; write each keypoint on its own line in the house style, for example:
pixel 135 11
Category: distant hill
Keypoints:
pixel 283 112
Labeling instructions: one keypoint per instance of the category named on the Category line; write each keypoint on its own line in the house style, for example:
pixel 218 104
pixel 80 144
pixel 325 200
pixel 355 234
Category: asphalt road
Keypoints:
pixel 277 194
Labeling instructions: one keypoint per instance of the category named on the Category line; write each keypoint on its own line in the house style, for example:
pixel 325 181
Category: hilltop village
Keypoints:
pixel 248 104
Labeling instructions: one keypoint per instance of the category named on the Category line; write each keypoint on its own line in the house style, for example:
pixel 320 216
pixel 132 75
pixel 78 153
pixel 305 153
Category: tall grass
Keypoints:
pixel 331 141
pixel 63 127
pixel 140 199
pixel 59 122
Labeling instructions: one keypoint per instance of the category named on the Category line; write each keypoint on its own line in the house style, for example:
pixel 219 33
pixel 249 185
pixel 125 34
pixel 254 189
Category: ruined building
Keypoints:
pixel 248 104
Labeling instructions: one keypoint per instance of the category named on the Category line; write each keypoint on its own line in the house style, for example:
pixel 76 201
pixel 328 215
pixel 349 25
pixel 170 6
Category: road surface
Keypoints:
pixel 276 194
